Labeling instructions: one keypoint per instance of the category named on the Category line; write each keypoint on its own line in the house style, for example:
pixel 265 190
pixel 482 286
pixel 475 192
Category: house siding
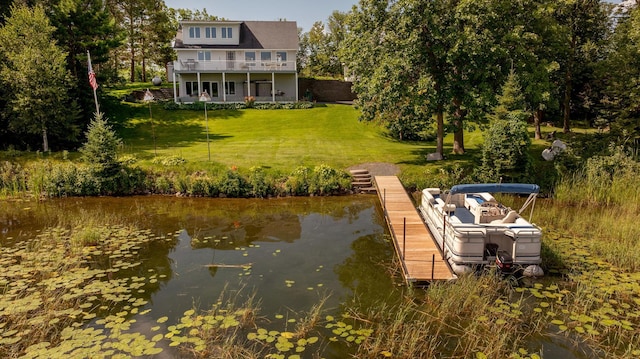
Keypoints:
pixel 259 60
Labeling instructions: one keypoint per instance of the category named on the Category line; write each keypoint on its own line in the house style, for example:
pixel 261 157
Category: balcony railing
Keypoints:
pixel 234 65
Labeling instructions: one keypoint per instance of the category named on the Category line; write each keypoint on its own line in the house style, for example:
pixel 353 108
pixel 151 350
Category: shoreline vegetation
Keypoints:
pixel 46 179
pixel 60 295
pixel 74 280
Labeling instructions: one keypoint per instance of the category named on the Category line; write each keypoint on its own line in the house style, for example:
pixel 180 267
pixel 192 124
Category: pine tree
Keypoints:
pixel 100 150
pixel 511 102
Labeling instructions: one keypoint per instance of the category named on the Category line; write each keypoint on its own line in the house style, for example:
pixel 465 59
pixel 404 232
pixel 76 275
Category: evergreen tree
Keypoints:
pixel 505 155
pixel 511 102
pixel 100 150
pixel 505 152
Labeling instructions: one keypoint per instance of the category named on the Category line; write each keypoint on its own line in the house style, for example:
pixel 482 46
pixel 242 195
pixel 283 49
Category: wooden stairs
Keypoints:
pixel 362 181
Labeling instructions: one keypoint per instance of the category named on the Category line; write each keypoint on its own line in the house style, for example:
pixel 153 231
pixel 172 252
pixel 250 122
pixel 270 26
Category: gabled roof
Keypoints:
pixel 281 35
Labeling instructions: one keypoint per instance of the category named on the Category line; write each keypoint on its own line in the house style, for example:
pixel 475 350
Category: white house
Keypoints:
pixel 233 60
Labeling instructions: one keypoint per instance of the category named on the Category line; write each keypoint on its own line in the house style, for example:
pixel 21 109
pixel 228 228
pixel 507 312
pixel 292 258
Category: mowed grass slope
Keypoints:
pixel 282 139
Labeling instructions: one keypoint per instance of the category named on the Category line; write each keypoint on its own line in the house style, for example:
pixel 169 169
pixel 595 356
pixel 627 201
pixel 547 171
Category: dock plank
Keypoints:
pixel 421 259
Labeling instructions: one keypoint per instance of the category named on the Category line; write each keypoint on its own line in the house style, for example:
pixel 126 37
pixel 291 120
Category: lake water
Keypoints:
pixel 291 253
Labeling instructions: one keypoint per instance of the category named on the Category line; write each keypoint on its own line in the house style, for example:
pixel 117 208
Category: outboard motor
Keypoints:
pixel 504 261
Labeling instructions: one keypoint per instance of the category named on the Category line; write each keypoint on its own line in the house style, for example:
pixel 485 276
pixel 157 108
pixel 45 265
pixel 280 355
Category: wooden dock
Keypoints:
pixel 421 259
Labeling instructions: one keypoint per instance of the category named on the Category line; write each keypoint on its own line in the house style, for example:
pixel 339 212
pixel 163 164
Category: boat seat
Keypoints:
pixel 457 199
pixel 510 217
pixel 450 207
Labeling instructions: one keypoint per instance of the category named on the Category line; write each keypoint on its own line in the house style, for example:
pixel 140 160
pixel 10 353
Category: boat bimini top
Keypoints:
pixel 515 188
pixel 518 188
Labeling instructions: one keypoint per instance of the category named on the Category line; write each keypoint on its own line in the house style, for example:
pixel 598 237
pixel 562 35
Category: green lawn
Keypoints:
pixel 284 139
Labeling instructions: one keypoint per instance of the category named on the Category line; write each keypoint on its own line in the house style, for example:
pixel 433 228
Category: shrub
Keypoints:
pixel 128 181
pixel 249 101
pixel 169 161
pixel 199 106
pixel 68 179
pixel 162 185
pixel 505 152
pixel 326 180
pixel 232 184
pixel 203 185
pixel 12 178
pixel 298 182
pixel 260 187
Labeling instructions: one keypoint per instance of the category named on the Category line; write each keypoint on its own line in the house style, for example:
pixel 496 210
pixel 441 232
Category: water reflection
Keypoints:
pixel 290 252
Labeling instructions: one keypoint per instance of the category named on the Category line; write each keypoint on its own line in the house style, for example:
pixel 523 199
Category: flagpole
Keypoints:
pixel 93 83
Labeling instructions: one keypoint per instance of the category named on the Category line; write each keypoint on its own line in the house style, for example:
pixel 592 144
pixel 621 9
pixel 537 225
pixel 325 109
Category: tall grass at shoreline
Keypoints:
pixel 473 317
pixel 601 203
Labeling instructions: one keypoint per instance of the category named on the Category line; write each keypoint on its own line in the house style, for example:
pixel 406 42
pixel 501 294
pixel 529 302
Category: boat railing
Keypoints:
pixel 463 231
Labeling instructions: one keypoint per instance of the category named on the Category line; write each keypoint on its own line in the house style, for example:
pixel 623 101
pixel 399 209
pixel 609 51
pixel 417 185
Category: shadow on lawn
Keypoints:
pixel 420 156
pixel 169 134
pixel 173 128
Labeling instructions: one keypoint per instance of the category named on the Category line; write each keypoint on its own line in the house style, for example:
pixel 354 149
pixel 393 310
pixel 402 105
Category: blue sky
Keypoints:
pixel 304 12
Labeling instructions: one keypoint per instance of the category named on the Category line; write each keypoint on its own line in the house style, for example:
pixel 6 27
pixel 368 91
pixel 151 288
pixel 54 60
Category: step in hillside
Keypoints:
pixel 362 181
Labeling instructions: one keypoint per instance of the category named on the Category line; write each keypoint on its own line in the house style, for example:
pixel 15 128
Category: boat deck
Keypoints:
pixel 421 259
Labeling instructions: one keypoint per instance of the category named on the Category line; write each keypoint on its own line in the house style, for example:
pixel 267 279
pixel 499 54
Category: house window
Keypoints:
pixel 194 32
pixel 214 89
pixel 265 56
pixel 281 56
pixel 250 58
pixel 210 32
pixel 226 33
pixel 211 88
pixel 192 88
pixel 230 88
pixel 204 55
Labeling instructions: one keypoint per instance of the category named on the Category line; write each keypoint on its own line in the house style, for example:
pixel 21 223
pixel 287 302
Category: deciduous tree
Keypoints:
pixel 35 74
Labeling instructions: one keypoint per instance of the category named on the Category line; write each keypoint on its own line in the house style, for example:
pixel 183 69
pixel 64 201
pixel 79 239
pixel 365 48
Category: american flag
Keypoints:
pixel 92 75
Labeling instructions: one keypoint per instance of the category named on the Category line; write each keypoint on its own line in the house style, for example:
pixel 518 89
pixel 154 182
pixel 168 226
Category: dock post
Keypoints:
pixel 384 199
pixel 433 265
pixel 444 233
pixel 404 236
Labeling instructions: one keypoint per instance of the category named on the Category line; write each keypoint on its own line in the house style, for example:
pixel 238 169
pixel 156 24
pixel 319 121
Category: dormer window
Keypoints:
pixel 194 32
pixel 227 33
pixel 210 32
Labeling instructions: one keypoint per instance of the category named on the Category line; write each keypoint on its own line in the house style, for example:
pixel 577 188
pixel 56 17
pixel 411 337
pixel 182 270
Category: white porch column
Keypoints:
pixel 296 100
pixel 199 85
pixel 224 87
pixel 248 84
pixel 175 93
pixel 273 87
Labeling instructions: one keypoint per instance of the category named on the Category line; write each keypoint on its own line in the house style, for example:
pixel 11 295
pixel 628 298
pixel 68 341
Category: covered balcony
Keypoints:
pixel 193 65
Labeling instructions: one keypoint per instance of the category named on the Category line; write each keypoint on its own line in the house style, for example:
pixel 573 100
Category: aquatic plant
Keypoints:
pixel 55 284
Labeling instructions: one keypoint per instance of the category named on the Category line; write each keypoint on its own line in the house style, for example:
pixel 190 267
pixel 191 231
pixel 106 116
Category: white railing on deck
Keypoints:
pixel 234 65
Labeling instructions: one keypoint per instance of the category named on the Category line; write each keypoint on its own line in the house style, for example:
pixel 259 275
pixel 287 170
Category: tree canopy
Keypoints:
pixel 423 68
pixel 34 71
